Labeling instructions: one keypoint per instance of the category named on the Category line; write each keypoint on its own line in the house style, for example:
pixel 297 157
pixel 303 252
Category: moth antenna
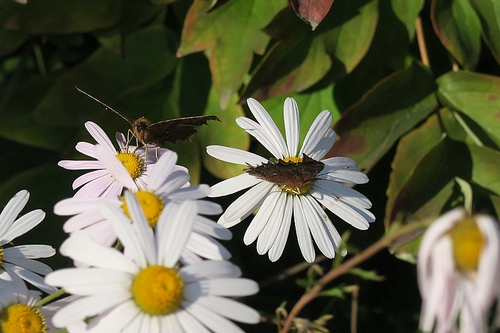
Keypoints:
pixel 130 120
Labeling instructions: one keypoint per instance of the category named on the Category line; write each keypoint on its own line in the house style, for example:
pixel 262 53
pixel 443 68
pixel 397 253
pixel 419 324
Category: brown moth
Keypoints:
pixel 160 132
pixel 289 174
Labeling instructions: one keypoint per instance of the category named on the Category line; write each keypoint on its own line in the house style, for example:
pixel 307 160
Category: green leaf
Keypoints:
pixel 413 146
pixel 458 27
pixel 388 51
pixel 229 35
pixel 19 124
pixel 310 105
pixel 226 133
pixel 11 40
pixel 391 108
pixel 366 275
pixel 407 11
pixel 489 14
pixel 485 167
pixel 300 57
pixel 476 95
pixel 61 16
pixel 149 58
pixel 410 149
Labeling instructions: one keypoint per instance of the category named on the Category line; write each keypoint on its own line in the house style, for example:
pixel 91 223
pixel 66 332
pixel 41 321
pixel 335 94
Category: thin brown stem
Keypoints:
pixel 346 266
pixel 421 42
pixel 354 309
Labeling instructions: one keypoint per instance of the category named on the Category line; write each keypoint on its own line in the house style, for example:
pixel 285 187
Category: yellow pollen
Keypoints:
pixel 1 255
pixel 293 159
pixel 297 190
pixel 158 290
pixel 22 318
pixel 132 163
pixel 468 243
pixel 151 204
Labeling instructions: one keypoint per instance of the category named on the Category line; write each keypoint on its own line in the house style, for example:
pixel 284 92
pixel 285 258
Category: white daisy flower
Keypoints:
pixel 17 261
pixel 19 311
pixel 146 291
pixel 113 170
pixel 458 270
pixel 166 183
pixel 294 183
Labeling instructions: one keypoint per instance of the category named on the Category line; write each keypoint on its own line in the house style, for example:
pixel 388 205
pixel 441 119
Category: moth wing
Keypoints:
pixel 177 129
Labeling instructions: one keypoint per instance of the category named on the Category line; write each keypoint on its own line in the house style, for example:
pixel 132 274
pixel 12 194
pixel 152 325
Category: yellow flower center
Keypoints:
pixel 1 255
pixel 297 190
pixel 468 243
pixel 22 318
pixel 132 163
pixel 158 290
pixel 151 205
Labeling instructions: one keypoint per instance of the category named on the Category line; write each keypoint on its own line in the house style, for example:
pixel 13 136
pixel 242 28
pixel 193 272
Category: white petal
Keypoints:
pixel 233 185
pixel 229 287
pixel 357 217
pixel 208 269
pixel 120 319
pixel 267 124
pixel 209 227
pixel 88 306
pixel 315 223
pixel 303 235
pixel 344 176
pixel 279 244
pixel 316 132
pixel 190 193
pixel 17 272
pixel 189 323
pixel 268 236
pixel 207 247
pixel 80 164
pixel 233 155
pixel 211 320
pixel 140 236
pixel 173 229
pixel 124 229
pixel 343 192
pixel 339 163
pixel 230 309
pixel 257 131
pixel 100 136
pixel 90 281
pixel 292 125
pixel 72 206
pixel 86 148
pixel 29 251
pixel 163 169
pixel 12 209
pixel 22 225
pixel 80 247
pixel 115 167
pixel 95 188
pixel 324 145
pixel 262 218
pixel 246 204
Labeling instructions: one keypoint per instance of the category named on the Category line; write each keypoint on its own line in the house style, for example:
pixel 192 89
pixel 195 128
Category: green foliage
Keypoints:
pixel 426 131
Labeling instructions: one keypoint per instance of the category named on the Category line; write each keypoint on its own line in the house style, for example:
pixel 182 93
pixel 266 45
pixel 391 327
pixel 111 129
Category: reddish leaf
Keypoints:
pixel 311 11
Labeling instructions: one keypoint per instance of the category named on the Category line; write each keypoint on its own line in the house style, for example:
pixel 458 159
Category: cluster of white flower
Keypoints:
pixel 168 271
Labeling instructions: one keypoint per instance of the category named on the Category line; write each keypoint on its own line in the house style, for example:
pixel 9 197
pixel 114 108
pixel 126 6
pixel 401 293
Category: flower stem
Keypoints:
pixel 50 297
